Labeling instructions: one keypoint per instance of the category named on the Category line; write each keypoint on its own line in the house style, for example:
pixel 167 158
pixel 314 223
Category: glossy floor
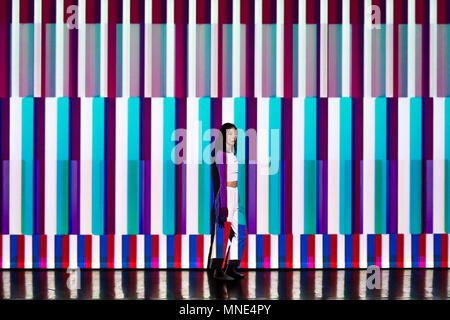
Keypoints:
pixel 186 284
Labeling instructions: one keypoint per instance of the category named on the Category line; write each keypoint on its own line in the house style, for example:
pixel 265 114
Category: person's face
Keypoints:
pixel 231 136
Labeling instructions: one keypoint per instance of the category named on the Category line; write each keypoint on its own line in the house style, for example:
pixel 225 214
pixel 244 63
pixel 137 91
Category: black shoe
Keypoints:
pixel 217 271
pixel 231 269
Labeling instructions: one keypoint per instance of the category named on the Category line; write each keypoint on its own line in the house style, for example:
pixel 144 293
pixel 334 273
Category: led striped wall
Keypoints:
pixel 96 96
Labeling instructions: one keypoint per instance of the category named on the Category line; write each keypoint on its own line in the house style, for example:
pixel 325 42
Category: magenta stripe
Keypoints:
pixel 286 147
pixel 39 174
pixel 252 112
pixel 4 173
pixel 145 154
pixel 180 206
pixel 427 167
pixel 322 157
pixel 392 158
pixel 357 164
pixel 74 163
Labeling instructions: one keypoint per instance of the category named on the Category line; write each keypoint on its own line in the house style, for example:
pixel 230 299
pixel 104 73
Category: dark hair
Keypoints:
pixel 220 144
pixel 220 140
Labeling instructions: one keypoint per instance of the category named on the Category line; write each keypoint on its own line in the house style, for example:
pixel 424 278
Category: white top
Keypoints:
pixel 232 167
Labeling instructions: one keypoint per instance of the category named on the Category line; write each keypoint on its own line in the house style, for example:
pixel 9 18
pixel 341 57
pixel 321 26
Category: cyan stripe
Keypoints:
pixel 98 165
pixel 133 165
pixel 274 166
pixel 205 187
pixel 381 167
pixel 240 121
pixel 169 192
pixel 416 166
pixel 27 164
pixel 345 164
pixel 310 182
pixel 62 183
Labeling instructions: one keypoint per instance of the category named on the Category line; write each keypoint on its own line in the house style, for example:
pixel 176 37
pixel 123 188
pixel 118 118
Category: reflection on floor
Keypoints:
pixel 186 284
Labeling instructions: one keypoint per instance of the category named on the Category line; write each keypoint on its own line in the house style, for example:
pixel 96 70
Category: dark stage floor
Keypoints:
pixel 185 284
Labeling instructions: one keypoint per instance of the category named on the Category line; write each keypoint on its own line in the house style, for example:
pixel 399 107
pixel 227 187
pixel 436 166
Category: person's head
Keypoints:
pixel 227 136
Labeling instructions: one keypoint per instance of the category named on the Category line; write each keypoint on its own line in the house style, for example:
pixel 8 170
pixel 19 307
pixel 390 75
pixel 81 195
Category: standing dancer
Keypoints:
pixel 224 253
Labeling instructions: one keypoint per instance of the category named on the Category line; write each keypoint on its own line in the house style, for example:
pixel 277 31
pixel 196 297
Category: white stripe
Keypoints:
pixel 117 251
pixel 368 49
pixel 385 250
pixel 340 284
pixel 28 288
pixel 407 251
pixel 340 251
pixel 273 287
pixel 389 48
pixel 262 189
pixel 323 48
pixel 192 131
pixel 148 49
pixel 59 63
pixel 252 284
pixel 28 256
pixel 318 251
pixel 15 48
pixel 170 50
pixel 140 290
pixel 104 48
pixel 50 251
pixel 251 251
pixel 280 49
pixel 126 44
pixel 206 244
pixel 140 251
pixel 95 252
pixel 227 110
pixel 429 262
pixel 411 48
pixel 258 48
pixel 162 252
pixel 82 49
pixel 333 165
pixel 192 47
pixel 118 290
pixel 214 47
pixel 273 251
pixel 439 165
pixel 185 251
pixel 37 48
pixel 298 156
pixel 86 136
pixel 51 130
pixel 296 251
pixel 433 48
pixel 73 251
pixel 5 252
pixel 96 284
pixel 369 166
pixel 15 167
pixel 157 119
pixel 363 251
pixel 121 165
pixel 403 164
pixel 302 48
pixel 346 49
pixel 236 48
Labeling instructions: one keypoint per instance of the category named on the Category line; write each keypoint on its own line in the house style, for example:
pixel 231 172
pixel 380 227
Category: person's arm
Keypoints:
pixel 221 161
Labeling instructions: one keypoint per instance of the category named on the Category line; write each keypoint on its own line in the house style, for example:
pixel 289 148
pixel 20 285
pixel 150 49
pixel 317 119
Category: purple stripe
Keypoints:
pixel 357 164
pixel 141 47
pixel 428 205
pixel 145 155
pixel 74 194
pixel 252 167
pixel 147 196
pixel 286 146
pixel 39 166
pixel 180 206
pixel 5 197
pixel 427 167
pixel 393 197
pixel 110 147
pixel 322 156
pixel 426 51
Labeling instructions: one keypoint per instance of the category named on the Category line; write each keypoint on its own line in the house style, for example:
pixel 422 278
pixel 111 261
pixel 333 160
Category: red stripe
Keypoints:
pixel 88 251
pixel 159 11
pixel 135 12
pixel 443 12
pixel 226 235
pixel 401 11
pixel 266 247
pixel 200 251
pixel 400 250
pixel 93 11
pixel 110 251
pixel 289 251
pixel 112 50
pixel 225 12
pixel 49 11
pixel 288 60
pixel 312 11
pixel 334 11
pixel 244 258
pixel 269 11
pixel 422 246
pixel 21 253
pixel 132 250
pixel 5 11
pixel 311 249
pixel 333 251
pixel 378 246
pixel 181 14
pixel 247 11
pixel 355 253
pixel 26 11
pixel 178 248
pixel 444 250
pixel 420 11
pixel 356 12
pixel 203 14
pixel 66 251
pixel 155 251
pixel 43 251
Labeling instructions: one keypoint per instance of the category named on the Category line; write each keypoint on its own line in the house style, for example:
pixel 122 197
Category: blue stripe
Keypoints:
pixel 80 249
pixel 326 251
pixel 125 251
pixel 58 251
pixel 35 240
pixel 170 251
pixel 393 250
pixel 259 250
pixel 148 251
pixel 192 251
pixel 370 249
pixel 348 250
pixel 437 250
pixel 282 251
pixel 103 251
pixel 415 250
pixel 304 251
